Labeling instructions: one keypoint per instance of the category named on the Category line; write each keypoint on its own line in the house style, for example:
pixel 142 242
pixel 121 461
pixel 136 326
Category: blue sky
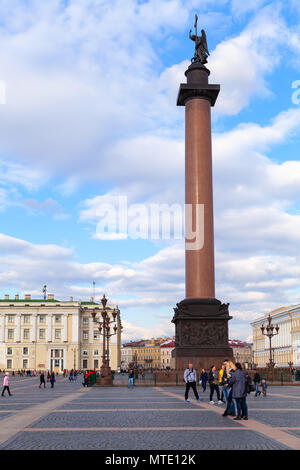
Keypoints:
pixel 90 114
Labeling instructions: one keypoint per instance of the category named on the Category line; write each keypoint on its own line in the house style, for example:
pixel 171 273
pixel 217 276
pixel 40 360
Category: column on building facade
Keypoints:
pixel 2 328
pixel 49 326
pixel 75 327
pixel 91 330
pixel 34 327
pixel 18 328
pixel 65 328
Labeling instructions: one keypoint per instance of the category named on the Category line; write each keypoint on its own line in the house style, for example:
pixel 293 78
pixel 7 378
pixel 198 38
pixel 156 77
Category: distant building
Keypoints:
pixel 242 352
pixel 285 345
pixel 144 354
pixel 53 334
pixel 166 355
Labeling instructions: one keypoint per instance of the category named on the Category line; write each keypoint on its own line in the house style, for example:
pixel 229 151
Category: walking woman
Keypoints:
pixel 6 384
pixel 213 379
pixel 239 392
pixel 229 371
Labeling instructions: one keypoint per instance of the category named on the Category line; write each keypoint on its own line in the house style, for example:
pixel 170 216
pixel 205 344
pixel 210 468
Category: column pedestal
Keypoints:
pixel 201 329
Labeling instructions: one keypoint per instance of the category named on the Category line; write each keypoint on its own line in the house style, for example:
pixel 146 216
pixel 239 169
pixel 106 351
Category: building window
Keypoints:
pixel 85 334
pixel 27 319
pixel 9 364
pixel 25 363
pixel 85 321
pixel 42 334
pixel 85 352
pixel 96 334
pixel 96 352
pixel 57 318
pixel 11 319
pixel 84 364
pixel 9 351
pixel 10 334
pixel 26 334
pixel 57 334
pixel 42 318
pixel 25 351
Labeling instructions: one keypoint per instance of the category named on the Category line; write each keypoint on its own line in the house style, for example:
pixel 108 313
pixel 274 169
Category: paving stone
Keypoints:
pixel 26 393
pixel 132 419
pixel 148 440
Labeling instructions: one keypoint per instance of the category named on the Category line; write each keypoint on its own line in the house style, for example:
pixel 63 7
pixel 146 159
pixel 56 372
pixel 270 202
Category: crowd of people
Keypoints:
pixel 231 385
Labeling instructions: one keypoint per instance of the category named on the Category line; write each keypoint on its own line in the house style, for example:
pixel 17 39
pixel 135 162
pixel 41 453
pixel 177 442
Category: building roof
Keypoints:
pixel 28 300
pixel 168 345
pixel 236 343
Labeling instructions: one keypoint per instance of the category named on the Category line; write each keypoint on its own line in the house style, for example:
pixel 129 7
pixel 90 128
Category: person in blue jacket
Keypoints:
pixel 203 379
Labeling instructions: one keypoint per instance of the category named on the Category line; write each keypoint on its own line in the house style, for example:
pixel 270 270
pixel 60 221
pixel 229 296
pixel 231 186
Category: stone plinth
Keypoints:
pixel 201 330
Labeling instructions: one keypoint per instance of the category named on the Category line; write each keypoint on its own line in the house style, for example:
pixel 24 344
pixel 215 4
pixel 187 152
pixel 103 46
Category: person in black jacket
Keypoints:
pixel 42 380
pixel 256 380
pixel 213 380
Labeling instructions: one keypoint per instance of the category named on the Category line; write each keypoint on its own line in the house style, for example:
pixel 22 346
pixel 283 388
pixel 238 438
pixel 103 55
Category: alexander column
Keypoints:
pixel 201 321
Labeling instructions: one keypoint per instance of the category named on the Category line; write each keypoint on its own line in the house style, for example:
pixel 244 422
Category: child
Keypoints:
pixel 264 387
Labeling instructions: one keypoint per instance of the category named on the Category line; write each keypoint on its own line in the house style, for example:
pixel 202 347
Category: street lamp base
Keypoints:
pixel 105 378
pixel 105 381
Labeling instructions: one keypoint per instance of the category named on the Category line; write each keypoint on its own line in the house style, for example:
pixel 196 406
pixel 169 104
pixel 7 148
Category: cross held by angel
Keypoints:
pixel 201 50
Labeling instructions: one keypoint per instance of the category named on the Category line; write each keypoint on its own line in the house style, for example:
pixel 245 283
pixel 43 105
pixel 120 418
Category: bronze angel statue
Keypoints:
pixel 201 50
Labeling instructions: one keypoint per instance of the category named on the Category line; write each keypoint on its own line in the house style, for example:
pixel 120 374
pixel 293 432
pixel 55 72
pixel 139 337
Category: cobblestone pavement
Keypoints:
pixel 154 418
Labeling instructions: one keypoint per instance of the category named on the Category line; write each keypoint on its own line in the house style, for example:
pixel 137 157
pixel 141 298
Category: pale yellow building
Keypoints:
pixel 285 345
pixel 54 335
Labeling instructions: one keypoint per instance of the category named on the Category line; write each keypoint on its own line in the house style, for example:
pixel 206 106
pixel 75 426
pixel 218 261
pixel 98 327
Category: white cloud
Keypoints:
pixel 241 63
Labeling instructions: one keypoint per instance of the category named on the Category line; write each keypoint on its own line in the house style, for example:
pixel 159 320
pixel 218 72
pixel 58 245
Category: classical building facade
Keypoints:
pixel 143 354
pixel 285 345
pixel 126 356
pixel 54 335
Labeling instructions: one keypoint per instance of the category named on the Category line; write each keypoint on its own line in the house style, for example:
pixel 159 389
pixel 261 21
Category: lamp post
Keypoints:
pixel 269 332
pixel 106 331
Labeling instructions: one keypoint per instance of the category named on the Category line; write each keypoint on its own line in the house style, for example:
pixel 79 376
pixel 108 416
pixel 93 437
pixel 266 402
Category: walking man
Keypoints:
pixel 42 380
pixel 6 384
pixel 256 380
pixel 52 379
pixel 190 379
pixel 130 378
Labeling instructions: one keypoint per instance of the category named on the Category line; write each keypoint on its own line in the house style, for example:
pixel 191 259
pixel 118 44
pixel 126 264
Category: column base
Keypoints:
pixel 201 333
pixel 104 381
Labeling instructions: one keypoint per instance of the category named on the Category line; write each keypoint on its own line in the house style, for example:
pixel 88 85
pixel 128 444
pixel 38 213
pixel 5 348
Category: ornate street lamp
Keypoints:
pixel 269 332
pixel 106 331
